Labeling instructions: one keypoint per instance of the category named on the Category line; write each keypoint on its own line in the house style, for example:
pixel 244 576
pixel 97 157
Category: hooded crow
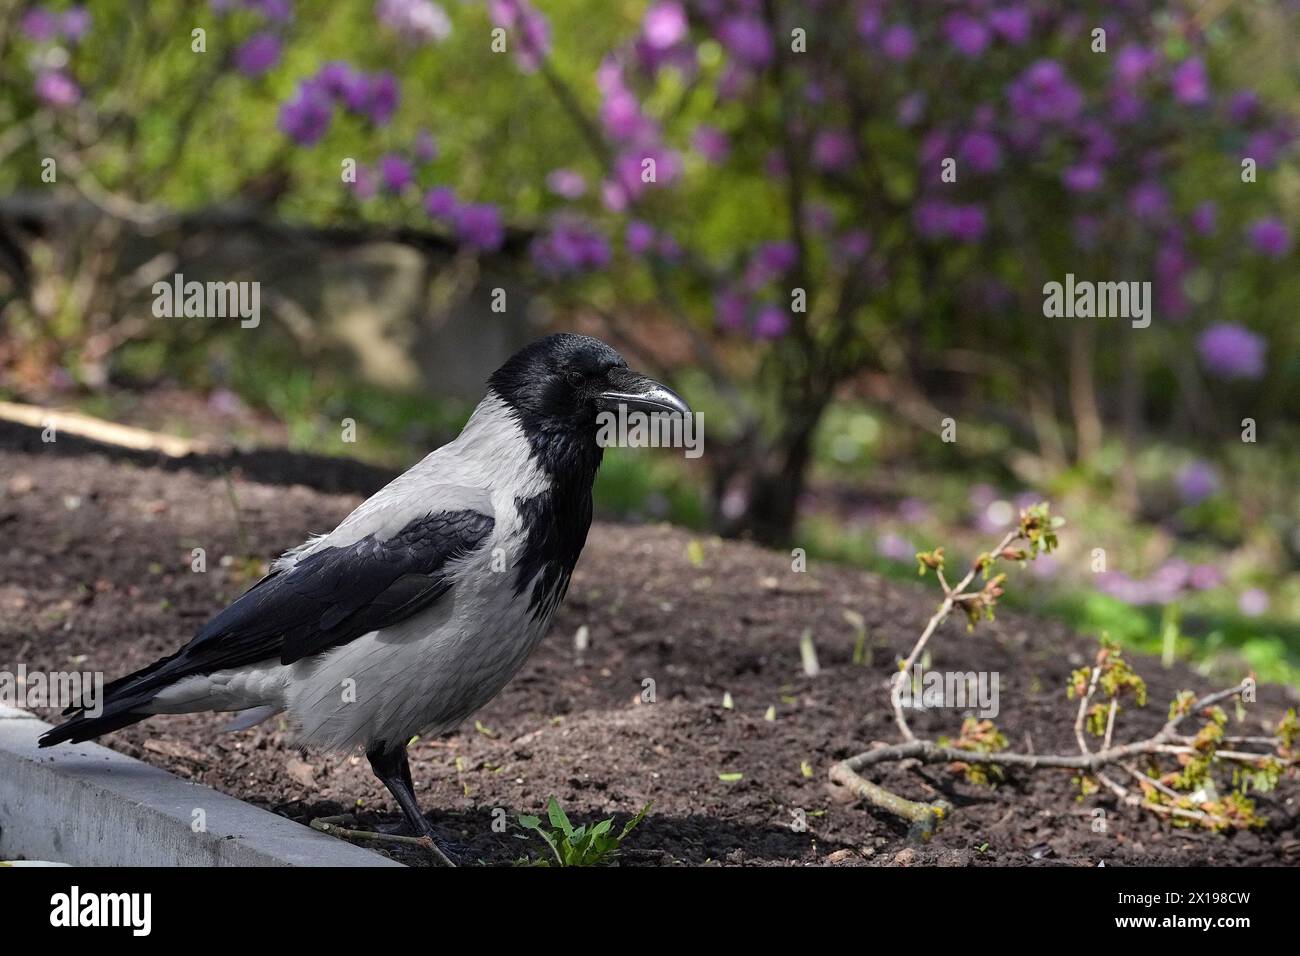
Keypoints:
pixel 422 604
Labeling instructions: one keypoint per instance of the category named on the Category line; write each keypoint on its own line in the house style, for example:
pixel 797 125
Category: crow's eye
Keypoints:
pixel 575 378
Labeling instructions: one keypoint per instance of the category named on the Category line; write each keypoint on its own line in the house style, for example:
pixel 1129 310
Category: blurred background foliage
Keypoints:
pixel 521 154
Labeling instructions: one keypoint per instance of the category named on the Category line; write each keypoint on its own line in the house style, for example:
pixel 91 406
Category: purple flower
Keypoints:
pixel 535 42
pixel 340 81
pixel 365 186
pixel 277 11
pixel 898 42
pixel 665 24
pixel 1203 577
pixel 771 261
pixel 1197 481
pixel 734 82
pixel 1168 581
pixel 570 247
pixel 257 54
pixel 395 172
pixel 832 150
pixel 621 115
pixel 1262 146
pixel 932 218
pixel 225 402
pixel 968 36
pixel 711 143
pixel 40 25
pixel 894 547
pixel 934 146
pixel 853 245
pixel 1203 218
pixel 981 495
pixel 1133 62
pixel 383 95
pixel 1253 603
pixel 306 117
pixel 1045 567
pixel 868 22
pixel 747 39
pixel 628 184
pixel 1082 178
pixel 1242 106
pixel 1269 237
pixel 967 223
pixel 1149 202
pixel 75 24
pixel 1190 83
pixel 55 88
pixel 913 511
pixel 1100 144
pixel 1043 93
pixel 730 309
pixel 419 20
pixel 1163 587
pixel 980 151
pixel 532 40
pixel 771 323
pixel 1011 23
pixel 996 516
pixel 1125 106
pixel 566 183
pixel 911 108
pixel 1172 264
pixel 620 111
pixel 478 225
pixel 639 238
pixel 440 203
pixel 425 147
pixel 1231 351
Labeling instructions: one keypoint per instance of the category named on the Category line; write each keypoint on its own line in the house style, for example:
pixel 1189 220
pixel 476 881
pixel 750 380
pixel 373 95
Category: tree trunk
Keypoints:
pixel 776 481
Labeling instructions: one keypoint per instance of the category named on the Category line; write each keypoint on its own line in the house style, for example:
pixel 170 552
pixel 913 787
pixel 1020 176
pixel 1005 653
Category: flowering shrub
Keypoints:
pixel 803 188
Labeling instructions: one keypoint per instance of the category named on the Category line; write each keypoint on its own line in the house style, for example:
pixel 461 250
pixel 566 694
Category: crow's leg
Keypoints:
pixel 394 771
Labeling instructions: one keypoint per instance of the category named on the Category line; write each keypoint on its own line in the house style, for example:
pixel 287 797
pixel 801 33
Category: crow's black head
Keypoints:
pixel 560 383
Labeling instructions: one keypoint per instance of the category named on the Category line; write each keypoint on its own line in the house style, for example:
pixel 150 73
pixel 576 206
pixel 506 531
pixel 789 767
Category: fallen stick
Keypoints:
pixel 97 429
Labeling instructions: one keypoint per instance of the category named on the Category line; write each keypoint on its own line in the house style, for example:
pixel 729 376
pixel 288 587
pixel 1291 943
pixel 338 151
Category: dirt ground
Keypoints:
pixel 95 574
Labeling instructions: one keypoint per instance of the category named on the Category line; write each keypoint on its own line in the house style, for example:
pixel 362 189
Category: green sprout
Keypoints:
pixel 589 845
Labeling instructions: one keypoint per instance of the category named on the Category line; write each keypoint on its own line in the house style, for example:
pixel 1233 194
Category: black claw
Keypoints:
pixel 394 771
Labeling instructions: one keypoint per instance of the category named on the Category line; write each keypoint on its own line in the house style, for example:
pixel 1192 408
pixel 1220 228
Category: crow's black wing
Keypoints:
pixel 331 596
pixel 335 595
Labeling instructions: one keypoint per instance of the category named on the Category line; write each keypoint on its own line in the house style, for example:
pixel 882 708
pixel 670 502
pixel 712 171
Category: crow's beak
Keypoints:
pixel 641 394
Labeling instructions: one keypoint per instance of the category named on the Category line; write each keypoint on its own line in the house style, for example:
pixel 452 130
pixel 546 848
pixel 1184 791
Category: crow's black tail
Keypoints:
pixel 120 706
pixel 81 728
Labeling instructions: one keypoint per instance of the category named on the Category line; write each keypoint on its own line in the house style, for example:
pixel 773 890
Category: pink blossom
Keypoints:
pixel 665 24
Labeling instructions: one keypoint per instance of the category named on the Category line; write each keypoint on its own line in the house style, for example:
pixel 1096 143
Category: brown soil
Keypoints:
pixel 95 575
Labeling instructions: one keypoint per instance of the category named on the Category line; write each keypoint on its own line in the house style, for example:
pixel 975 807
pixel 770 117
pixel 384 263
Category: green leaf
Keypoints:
pixel 632 824
pixel 557 816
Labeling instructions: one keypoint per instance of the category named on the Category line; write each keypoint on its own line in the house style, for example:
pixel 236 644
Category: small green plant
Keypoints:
pixel 593 845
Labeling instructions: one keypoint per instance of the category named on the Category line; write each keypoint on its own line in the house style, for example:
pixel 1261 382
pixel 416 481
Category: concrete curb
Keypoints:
pixel 90 806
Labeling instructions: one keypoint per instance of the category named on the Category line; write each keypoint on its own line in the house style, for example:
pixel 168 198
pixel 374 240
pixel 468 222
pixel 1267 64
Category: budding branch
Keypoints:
pixel 926 816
